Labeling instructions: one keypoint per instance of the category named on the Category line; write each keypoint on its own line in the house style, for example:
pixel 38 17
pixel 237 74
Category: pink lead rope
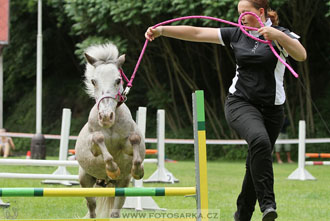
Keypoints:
pixel 239 24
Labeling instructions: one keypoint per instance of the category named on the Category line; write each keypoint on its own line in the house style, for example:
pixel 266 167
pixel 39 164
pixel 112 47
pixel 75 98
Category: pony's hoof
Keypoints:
pixel 113 175
pixel 115 215
pixel 137 175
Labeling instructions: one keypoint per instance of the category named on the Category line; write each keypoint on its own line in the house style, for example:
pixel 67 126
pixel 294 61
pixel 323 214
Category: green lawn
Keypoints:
pixel 296 200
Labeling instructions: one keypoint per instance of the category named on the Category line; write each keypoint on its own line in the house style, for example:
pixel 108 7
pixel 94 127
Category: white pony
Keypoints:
pixel 110 147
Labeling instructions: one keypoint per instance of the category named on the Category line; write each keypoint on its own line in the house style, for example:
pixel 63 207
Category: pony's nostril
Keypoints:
pixel 111 116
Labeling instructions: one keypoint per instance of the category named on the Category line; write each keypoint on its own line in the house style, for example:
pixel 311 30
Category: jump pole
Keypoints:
pixel 61 175
pixel 311 163
pixel 301 173
pixel 161 175
pixel 117 219
pixel 63 155
pixel 97 192
pixel 200 155
pixel 317 155
pixel 3 204
pixel 137 202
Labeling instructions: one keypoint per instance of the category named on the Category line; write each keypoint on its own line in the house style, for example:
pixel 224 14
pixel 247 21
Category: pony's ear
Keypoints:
pixel 90 59
pixel 121 60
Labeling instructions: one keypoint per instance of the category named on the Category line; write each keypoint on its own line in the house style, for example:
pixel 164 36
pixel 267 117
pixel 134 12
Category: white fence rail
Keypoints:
pixel 177 141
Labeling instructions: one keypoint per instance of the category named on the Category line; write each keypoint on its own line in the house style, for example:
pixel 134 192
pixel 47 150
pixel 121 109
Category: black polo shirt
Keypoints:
pixel 259 74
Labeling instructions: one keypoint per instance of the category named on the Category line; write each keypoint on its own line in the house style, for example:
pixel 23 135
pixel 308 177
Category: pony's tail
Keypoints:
pixel 104 207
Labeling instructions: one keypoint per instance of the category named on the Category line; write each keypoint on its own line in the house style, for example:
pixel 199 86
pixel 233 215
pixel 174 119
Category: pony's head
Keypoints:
pixel 103 80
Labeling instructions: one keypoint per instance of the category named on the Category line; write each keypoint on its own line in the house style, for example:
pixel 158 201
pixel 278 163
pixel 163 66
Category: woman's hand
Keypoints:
pixel 270 33
pixel 153 33
pixel 292 46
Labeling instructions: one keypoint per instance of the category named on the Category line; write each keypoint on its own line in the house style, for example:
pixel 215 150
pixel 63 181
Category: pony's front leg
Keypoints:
pixel 119 201
pixel 111 168
pixel 137 167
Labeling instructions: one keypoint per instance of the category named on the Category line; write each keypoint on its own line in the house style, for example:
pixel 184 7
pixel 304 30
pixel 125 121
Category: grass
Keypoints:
pixel 296 200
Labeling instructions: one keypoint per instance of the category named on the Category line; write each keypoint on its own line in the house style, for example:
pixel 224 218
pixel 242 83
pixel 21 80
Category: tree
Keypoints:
pixel 301 16
pixel 170 69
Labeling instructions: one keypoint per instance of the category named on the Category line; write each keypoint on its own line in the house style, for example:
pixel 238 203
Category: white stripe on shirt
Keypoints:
pixel 279 75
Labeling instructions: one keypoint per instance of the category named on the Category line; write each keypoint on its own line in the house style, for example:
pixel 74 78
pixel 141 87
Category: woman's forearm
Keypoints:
pixel 190 33
pixel 293 47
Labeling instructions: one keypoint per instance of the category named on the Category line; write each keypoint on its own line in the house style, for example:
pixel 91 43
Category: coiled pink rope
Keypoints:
pixel 264 41
pixel 239 24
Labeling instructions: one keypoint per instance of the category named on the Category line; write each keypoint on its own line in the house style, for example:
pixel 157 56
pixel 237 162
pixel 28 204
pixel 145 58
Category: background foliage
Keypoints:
pixel 170 70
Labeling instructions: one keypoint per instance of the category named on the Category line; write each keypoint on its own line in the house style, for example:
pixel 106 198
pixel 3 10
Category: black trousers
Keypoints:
pixel 259 126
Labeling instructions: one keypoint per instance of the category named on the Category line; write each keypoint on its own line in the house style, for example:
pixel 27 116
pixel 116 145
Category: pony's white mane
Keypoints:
pixel 104 53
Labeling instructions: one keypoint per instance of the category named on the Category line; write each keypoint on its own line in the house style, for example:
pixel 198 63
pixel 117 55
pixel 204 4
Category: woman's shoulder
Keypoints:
pixel 230 33
pixel 230 29
pixel 279 28
pixel 286 31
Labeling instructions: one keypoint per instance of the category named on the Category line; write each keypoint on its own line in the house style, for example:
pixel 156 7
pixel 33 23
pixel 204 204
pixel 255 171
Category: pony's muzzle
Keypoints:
pixel 106 119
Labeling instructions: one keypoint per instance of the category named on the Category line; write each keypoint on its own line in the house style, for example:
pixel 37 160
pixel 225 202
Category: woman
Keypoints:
pixel 254 106
pixel 5 144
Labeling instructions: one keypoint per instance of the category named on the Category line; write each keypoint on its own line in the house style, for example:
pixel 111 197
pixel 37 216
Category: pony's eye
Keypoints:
pixel 93 82
pixel 118 81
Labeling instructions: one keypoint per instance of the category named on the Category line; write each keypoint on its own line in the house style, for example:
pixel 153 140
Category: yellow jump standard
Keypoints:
pixel 200 155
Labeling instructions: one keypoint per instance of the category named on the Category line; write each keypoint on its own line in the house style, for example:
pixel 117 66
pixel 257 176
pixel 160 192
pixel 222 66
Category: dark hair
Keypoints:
pixel 269 13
